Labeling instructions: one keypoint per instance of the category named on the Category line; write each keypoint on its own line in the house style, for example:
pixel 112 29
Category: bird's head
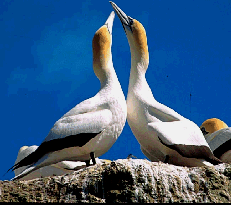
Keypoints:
pixel 136 36
pixel 101 45
pixel 210 126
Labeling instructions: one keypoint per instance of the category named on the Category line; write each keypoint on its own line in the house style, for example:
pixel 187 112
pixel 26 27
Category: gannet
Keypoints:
pixel 164 135
pixel 60 168
pixel 90 128
pixel 212 125
pixel 218 135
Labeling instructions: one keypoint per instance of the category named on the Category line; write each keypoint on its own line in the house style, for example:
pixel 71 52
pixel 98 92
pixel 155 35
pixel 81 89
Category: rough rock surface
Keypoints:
pixel 126 180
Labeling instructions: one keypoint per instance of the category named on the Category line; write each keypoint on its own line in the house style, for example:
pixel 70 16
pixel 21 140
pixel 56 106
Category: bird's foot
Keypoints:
pixel 87 163
pixel 92 155
pixel 166 159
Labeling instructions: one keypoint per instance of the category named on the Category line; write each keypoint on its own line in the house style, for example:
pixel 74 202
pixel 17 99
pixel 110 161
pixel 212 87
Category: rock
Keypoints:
pixel 126 180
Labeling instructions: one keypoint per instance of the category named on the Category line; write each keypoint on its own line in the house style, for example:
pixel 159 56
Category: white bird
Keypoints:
pixel 60 168
pixel 212 125
pixel 218 135
pixel 164 135
pixel 90 128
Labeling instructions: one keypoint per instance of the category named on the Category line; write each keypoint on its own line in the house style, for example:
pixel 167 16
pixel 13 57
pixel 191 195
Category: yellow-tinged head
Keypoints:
pixel 136 36
pixel 212 125
pixel 138 39
pixel 101 45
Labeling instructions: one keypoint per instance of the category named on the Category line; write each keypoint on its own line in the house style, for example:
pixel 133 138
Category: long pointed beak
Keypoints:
pixel 125 20
pixel 109 22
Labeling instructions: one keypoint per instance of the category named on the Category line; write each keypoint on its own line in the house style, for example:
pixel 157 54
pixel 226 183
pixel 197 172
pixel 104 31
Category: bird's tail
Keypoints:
pixel 29 160
pixel 25 172
pixel 214 160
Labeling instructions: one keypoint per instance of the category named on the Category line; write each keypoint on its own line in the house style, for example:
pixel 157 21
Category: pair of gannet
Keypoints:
pixel 60 168
pixel 163 134
pixel 90 128
pixel 218 135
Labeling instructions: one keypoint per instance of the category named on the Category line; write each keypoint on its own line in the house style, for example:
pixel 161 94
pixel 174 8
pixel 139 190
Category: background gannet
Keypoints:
pixel 57 169
pixel 210 126
pixel 162 133
pixel 218 135
pixel 90 128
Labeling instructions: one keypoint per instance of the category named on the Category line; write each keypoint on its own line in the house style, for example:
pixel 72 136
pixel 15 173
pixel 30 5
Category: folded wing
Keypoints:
pixel 73 131
pixel 184 137
pixel 164 113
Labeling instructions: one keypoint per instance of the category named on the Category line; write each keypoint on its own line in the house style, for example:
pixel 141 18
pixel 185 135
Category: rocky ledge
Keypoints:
pixel 126 180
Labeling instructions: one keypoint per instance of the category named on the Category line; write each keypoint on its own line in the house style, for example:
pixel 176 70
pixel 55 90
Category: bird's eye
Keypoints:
pixel 130 20
pixel 204 131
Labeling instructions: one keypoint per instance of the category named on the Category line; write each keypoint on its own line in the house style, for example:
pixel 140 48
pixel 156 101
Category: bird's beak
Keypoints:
pixel 109 22
pixel 204 131
pixel 125 20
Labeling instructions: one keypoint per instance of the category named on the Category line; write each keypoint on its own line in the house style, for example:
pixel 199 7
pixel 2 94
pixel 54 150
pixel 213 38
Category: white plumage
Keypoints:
pixel 90 128
pixel 60 168
pixel 164 135
pixel 218 135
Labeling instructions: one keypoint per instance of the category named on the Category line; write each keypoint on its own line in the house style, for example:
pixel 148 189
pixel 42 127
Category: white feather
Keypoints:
pixel 57 169
pixel 154 124
pixel 75 124
pixel 104 114
pixel 182 132
pixel 218 138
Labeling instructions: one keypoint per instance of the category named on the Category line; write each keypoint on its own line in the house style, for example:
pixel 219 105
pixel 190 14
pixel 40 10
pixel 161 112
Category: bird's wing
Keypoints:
pixel 72 131
pixel 220 141
pixel 219 137
pixel 184 137
pixel 24 172
pixel 164 113
pixel 21 155
pixel 90 122
pixel 178 132
pixel 88 105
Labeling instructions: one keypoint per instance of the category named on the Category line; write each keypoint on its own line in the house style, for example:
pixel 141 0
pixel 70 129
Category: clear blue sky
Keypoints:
pixel 46 63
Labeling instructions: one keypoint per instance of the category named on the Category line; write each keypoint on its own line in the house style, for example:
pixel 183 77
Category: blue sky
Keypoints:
pixel 46 63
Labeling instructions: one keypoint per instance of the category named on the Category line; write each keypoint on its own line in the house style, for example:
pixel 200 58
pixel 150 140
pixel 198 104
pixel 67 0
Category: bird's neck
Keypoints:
pixel 110 79
pixel 139 66
pixel 106 74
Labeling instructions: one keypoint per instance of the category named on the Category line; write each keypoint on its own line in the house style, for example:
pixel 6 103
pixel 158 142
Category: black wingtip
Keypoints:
pixel 11 169
pixel 214 160
pixel 24 162
pixel 203 153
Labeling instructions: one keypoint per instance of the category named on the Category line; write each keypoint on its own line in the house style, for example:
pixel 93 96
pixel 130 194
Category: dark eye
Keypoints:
pixel 130 20
pixel 204 131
